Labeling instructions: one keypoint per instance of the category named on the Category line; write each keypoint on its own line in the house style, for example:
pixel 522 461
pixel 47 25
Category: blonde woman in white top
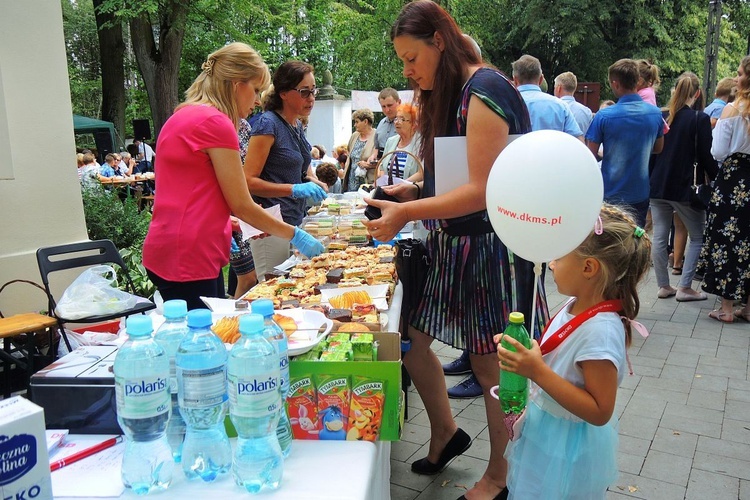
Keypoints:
pixel 725 256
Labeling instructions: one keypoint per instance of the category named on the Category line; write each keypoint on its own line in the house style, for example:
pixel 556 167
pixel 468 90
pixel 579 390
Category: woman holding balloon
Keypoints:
pixel 474 282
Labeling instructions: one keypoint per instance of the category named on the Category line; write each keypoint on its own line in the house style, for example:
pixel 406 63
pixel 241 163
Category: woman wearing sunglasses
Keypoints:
pixel 278 157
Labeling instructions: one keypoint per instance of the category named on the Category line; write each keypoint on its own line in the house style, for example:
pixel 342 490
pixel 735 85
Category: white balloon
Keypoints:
pixel 544 194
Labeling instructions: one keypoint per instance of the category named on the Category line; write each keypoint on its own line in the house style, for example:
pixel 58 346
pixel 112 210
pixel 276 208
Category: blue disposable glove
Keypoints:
pixel 306 244
pixel 308 190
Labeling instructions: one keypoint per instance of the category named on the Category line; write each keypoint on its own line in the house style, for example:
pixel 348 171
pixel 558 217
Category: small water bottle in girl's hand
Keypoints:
pixel 514 389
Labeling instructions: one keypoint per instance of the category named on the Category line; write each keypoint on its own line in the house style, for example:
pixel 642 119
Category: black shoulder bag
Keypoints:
pixel 700 191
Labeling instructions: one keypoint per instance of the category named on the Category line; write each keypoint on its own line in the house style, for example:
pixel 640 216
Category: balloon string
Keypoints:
pixel 534 319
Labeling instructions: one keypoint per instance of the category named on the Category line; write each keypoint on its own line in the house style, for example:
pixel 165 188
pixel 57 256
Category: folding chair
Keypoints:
pixel 86 254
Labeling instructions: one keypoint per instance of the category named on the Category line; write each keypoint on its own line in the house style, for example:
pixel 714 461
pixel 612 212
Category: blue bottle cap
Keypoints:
pixel 251 323
pixel 139 325
pixel 264 307
pixel 516 317
pixel 175 308
pixel 199 318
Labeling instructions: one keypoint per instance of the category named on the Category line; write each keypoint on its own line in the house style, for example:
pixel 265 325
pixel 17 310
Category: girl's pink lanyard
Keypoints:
pixel 550 343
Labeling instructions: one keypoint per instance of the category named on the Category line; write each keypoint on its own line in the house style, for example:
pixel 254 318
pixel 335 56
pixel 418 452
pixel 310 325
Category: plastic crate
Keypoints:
pixel 112 326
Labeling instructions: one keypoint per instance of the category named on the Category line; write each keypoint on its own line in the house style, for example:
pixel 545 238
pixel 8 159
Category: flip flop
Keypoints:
pixel 722 316
pixel 677 271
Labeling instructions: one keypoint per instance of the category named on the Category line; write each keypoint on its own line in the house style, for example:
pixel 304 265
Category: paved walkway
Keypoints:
pixel 684 415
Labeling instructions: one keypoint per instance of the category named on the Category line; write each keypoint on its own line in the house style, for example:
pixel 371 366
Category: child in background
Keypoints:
pixel 568 445
pixel 649 81
pixel 329 173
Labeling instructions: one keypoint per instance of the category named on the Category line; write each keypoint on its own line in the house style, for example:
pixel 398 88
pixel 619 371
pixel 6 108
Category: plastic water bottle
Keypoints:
pixel 142 393
pixel 514 388
pixel 202 393
pixel 168 336
pixel 275 334
pixel 254 407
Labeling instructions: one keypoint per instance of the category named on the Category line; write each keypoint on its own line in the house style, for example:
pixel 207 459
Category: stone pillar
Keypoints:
pixel 331 119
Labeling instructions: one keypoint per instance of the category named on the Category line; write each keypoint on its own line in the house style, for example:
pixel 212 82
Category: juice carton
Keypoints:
pixel 333 405
pixel 366 409
pixel 302 409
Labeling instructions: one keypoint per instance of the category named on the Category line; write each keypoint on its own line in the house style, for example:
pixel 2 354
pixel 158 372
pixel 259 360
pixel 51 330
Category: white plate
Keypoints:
pixel 224 306
pixel 378 294
pixel 312 327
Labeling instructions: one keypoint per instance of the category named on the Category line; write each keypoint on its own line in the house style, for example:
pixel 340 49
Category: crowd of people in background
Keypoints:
pixel 217 165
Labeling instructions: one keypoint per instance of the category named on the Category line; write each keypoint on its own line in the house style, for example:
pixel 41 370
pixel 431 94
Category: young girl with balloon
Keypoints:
pixel 567 445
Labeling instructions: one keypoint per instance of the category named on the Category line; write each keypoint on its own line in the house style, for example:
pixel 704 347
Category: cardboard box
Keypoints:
pixel 77 391
pixel 387 368
pixel 24 462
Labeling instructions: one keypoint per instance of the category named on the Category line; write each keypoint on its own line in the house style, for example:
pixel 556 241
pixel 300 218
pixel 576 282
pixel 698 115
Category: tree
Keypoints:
pixel 157 29
pixel 111 56
pixel 82 49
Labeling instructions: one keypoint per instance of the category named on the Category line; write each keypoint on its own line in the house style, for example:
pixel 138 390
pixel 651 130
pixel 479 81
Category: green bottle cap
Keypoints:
pixel 516 317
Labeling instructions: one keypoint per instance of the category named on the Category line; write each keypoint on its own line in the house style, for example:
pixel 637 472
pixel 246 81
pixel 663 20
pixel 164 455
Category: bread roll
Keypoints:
pixel 286 323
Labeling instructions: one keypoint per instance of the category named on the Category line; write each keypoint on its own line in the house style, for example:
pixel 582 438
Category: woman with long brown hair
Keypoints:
pixel 474 281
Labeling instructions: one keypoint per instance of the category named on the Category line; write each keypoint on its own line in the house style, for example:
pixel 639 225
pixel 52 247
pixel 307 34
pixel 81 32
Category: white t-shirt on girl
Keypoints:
pixel 600 337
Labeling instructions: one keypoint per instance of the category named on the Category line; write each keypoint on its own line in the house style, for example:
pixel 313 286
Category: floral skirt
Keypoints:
pixel 725 256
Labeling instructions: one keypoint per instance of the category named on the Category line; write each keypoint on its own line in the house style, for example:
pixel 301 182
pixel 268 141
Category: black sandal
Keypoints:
pixel 459 443
pixel 503 495
pixel 677 271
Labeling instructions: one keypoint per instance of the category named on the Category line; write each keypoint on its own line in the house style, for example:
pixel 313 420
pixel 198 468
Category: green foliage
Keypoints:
pixel 82 49
pixel 587 36
pixel 351 38
pixel 141 282
pixel 108 217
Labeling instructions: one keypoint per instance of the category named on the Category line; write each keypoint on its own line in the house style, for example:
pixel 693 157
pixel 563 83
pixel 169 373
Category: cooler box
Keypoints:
pixel 77 391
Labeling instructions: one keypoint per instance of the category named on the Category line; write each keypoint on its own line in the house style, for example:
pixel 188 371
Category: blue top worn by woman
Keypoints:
pixel 287 162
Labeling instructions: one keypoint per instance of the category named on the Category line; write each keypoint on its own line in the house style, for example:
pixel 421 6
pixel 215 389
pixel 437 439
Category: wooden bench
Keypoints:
pixel 11 329
pixel 147 200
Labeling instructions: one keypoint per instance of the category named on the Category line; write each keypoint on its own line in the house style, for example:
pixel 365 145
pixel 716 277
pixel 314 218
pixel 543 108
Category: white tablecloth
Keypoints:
pixel 345 470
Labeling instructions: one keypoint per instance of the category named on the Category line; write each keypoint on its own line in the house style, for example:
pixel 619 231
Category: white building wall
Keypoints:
pixel 40 199
pixel 330 124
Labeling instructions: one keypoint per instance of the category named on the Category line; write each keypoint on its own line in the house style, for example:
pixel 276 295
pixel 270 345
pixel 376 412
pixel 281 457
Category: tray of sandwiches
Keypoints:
pixel 341 231
pixel 350 285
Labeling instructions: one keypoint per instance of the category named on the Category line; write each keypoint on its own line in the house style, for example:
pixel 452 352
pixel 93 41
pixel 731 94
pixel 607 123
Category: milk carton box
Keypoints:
pixel 24 462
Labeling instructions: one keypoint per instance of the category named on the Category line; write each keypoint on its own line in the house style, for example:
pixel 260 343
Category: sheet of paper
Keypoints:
pixel 451 163
pixel 249 231
pixel 55 437
pixel 383 181
pixel 94 476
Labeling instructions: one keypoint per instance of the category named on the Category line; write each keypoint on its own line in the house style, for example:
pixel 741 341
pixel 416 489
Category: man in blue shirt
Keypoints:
pixel 389 101
pixel 724 93
pixel 630 131
pixel 547 112
pixel 565 87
